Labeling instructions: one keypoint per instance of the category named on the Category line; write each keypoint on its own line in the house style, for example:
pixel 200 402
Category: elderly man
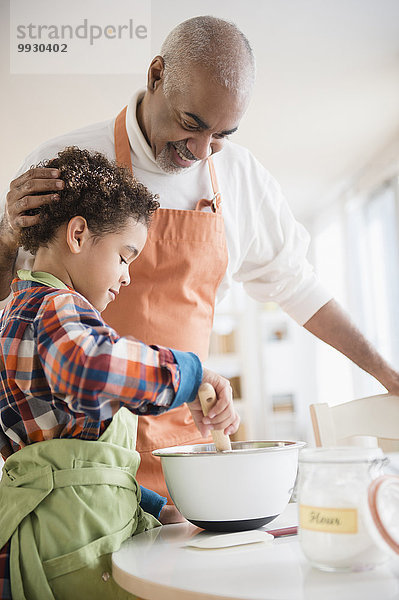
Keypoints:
pixel 222 216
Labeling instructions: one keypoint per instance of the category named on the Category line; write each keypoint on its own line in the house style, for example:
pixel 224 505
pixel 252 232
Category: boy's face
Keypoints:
pixel 102 265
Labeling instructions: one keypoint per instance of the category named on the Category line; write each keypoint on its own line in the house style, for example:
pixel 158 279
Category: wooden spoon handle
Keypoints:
pixel 207 396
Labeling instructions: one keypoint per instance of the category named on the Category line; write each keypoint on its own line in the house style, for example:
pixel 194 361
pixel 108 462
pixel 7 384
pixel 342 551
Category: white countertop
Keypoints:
pixel 157 565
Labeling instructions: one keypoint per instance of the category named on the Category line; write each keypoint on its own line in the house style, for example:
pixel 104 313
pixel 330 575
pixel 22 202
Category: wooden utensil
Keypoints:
pixel 207 396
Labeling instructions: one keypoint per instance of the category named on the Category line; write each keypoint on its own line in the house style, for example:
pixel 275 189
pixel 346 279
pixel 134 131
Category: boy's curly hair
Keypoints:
pixel 96 189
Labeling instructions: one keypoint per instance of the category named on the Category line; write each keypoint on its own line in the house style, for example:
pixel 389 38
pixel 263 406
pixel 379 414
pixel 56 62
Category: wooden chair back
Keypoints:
pixel 374 416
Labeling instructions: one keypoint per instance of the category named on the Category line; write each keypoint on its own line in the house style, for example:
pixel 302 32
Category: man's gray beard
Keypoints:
pixel 164 161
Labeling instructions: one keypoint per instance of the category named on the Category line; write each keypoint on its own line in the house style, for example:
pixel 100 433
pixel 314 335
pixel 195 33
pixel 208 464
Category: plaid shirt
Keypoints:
pixel 64 373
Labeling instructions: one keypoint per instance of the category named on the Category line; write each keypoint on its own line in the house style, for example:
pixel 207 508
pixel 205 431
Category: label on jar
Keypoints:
pixel 328 520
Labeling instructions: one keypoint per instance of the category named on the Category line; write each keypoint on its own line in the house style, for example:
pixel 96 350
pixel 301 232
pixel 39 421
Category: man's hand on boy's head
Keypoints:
pixel 23 196
pixel 223 414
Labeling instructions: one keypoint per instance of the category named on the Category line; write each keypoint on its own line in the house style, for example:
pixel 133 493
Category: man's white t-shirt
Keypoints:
pixel 267 247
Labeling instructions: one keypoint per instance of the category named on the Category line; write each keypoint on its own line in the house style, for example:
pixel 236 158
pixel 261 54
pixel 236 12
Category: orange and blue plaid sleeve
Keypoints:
pixel 98 371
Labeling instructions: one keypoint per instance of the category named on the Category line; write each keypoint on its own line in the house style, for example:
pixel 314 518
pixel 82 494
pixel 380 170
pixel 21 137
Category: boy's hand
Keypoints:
pixel 223 414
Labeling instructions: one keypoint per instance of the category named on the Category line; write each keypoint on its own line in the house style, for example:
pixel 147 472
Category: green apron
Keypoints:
pixel 67 504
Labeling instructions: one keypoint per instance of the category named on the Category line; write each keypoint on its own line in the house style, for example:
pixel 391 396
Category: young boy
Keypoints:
pixel 68 381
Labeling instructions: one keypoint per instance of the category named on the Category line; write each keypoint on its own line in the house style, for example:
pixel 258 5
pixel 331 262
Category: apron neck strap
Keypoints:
pixel 217 199
pixel 122 146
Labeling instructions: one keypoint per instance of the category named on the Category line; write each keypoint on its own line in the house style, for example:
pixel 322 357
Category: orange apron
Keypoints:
pixel 171 302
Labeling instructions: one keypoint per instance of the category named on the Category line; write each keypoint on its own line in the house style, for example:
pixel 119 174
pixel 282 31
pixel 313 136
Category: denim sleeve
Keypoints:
pixel 191 377
pixel 152 502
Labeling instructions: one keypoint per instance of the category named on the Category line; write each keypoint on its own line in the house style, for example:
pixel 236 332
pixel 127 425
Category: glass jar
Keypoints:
pixel 336 530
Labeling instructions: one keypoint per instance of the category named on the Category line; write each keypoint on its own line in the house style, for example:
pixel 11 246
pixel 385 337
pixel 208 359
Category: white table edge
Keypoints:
pixel 149 590
pixel 156 591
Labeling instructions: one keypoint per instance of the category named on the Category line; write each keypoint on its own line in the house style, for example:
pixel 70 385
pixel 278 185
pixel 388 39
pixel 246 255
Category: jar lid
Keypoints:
pixel 383 502
pixel 340 454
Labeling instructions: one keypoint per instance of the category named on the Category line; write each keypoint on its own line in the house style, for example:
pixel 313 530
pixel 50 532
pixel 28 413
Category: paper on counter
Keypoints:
pixel 226 540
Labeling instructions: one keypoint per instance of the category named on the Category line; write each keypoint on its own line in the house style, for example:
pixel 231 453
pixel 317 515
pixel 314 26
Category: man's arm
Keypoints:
pixel 332 325
pixel 29 191
pixel 8 257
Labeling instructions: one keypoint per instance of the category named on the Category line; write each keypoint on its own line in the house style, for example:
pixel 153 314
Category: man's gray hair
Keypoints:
pixel 213 43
